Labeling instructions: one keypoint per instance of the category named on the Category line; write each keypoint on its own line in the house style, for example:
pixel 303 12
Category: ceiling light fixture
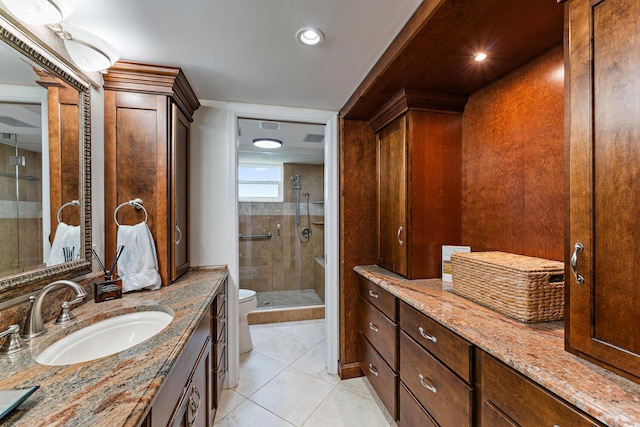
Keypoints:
pixel 267 143
pixel 87 50
pixel 310 36
pixel 40 12
pixel 480 56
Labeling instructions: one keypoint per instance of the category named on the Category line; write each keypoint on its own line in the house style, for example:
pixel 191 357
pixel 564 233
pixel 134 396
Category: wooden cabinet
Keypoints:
pixel 507 399
pixel 419 189
pixel 436 370
pixel 378 352
pixel 148 110
pixel 186 393
pixel 602 321
pixel 190 395
pixel 219 364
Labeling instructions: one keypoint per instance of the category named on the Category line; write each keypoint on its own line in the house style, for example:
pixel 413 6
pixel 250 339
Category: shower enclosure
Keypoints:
pixel 20 206
pixel 282 241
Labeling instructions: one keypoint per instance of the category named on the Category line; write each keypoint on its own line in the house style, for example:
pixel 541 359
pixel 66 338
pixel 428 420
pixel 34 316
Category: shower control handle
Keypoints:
pixel 278 227
pixel 399 239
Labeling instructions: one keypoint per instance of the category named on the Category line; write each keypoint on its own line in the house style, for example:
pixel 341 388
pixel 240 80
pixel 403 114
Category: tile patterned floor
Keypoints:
pixel 283 382
pixel 293 298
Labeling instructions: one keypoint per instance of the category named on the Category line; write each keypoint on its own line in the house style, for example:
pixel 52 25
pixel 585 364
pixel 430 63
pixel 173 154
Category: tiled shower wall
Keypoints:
pixel 283 262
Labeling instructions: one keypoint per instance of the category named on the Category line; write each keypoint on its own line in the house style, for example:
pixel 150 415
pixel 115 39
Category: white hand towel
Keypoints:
pixel 138 264
pixel 66 244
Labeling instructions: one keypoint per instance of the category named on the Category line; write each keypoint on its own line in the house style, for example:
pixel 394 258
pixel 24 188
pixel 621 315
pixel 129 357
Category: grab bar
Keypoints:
pixel 255 236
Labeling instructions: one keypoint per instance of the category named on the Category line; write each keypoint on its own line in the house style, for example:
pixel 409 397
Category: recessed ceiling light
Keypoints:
pixel 267 143
pixel 310 36
pixel 480 56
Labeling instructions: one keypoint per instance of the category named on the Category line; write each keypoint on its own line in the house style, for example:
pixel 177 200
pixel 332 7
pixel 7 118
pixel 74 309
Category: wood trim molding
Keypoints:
pixel 350 370
pixel 136 77
pixel 411 29
pixel 407 99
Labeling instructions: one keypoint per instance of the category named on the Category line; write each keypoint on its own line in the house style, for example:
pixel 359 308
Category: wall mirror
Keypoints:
pixel 45 216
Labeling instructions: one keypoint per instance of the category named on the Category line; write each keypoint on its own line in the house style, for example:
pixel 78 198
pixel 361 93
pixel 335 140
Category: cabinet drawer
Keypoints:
pixel 411 413
pixel 446 397
pixel 525 402
pixel 219 324
pixel 383 379
pixel 381 299
pixel 219 375
pixel 221 299
pixel 381 332
pixel 451 349
pixel 491 416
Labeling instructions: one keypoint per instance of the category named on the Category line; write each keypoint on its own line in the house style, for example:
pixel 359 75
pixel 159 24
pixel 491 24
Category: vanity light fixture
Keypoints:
pixel 310 36
pixel 40 12
pixel 87 50
pixel 267 143
pixel 480 56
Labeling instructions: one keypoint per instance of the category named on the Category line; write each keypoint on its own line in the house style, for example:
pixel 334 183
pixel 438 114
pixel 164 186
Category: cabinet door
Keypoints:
pixel 179 193
pixel 136 166
pixel 604 191
pixel 392 196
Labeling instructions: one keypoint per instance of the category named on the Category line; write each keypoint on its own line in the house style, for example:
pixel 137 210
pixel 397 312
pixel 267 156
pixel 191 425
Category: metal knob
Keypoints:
pixel 14 342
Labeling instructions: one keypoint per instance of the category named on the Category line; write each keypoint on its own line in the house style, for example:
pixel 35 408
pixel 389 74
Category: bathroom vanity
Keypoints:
pixel 464 364
pixel 175 374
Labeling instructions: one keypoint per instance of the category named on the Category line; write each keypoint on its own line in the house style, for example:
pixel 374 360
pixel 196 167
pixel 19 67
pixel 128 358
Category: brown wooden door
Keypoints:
pixel 179 193
pixel 392 196
pixel 604 175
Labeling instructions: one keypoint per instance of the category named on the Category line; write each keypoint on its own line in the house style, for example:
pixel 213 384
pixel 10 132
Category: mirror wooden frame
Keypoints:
pixel 39 54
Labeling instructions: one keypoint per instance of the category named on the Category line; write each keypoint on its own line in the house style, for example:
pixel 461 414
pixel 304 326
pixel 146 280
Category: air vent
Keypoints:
pixel 269 125
pixel 10 121
pixel 314 137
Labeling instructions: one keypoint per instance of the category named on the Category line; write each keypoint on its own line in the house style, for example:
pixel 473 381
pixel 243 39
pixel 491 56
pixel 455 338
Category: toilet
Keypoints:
pixel 248 302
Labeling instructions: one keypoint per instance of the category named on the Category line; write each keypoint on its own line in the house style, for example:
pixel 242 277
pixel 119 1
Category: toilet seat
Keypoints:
pixel 246 295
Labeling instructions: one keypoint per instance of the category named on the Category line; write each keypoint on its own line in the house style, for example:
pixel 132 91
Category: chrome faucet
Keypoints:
pixel 34 325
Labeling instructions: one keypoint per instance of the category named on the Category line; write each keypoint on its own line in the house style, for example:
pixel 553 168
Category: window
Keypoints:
pixel 260 183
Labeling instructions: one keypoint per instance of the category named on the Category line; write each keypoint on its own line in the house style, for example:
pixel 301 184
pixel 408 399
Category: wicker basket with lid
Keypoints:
pixel 526 288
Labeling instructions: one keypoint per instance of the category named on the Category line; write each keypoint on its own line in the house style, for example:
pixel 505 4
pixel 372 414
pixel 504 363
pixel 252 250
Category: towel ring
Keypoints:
pixel 135 203
pixel 71 203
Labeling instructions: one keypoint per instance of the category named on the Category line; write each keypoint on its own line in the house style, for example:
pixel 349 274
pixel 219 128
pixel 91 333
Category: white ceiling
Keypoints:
pixel 294 147
pixel 246 51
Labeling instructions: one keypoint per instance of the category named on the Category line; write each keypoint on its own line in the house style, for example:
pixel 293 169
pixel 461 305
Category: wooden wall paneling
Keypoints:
pixel 434 51
pixel 358 235
pixel 64 150
pixel 435 189
pixel 513 162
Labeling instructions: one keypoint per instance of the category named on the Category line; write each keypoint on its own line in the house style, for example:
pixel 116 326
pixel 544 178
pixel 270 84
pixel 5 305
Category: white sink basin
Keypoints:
pixel 104 338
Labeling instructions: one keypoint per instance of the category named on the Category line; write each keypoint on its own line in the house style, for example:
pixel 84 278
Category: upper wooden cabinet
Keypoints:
pixel 148 110
pixel 419 183
pixel 603 82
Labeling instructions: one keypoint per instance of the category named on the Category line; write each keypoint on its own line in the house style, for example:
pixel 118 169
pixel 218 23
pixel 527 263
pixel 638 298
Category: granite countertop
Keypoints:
pixel 534 349
pixel 116 390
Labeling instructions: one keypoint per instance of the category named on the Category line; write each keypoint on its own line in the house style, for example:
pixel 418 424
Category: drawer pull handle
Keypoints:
pixel 373 294
pixel 425 336
pixel 578 248
pixel 193 406
pixel 400 242
pixel 427 386
pixel 373 327
pixel 373 370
